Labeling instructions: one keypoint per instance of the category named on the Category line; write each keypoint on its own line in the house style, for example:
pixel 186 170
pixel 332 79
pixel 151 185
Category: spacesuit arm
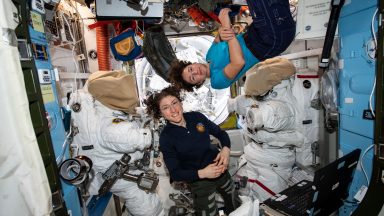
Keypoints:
pixel 124 136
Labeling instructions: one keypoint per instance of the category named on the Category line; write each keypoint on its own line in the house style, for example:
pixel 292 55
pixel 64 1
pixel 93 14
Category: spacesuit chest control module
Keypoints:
pixel 146 181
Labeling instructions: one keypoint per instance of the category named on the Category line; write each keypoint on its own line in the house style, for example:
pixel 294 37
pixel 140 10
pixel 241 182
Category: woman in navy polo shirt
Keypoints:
pixel 189 154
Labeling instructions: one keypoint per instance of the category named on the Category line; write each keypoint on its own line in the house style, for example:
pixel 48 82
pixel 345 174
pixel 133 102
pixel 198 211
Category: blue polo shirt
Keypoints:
pixel 186 150
pixel 218 57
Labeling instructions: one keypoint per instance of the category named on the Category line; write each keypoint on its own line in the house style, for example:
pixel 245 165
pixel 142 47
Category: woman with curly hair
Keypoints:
pixel 272 30
pixel 188 152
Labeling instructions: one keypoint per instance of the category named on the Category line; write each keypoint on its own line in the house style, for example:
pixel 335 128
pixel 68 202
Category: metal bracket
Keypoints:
pixel 380 151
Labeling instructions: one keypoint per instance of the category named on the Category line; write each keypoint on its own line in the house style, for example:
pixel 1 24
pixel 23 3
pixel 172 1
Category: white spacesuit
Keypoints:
pixel 104 135
pixel 277 118
pixel 272 123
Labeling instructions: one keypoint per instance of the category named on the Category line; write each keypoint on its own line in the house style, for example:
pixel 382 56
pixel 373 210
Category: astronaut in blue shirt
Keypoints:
pixel 188 153
pixel 230 56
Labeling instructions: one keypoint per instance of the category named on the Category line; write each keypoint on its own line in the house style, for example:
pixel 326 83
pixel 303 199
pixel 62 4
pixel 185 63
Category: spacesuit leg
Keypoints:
pixel 137 201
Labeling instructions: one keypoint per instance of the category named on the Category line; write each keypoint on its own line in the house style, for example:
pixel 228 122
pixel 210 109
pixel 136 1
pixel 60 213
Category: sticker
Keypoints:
pixel 158 163
pixel 76 107
pixel 200 127
pixel 92 54
pixel 37 22
pixel 47 93
pixel 117 120
pixel 307 84
pixel 348 100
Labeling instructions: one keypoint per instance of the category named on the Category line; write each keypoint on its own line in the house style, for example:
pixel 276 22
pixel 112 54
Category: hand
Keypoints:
pixel 211 171
pixel 224 18
pixel 222 159
pixel 226 34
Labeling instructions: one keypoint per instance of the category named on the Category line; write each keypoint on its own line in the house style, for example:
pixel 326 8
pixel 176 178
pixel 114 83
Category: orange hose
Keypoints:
pixel 102 42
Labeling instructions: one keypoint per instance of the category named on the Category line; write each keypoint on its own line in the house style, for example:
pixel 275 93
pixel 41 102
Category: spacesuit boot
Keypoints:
pixel 158 51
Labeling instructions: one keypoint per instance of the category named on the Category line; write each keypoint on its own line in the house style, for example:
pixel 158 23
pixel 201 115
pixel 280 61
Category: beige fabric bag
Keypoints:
pixel 114 89
pixel 263 76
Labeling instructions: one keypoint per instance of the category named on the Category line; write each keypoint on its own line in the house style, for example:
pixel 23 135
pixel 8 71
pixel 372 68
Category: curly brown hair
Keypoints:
pixel 153 101
pixel 175 75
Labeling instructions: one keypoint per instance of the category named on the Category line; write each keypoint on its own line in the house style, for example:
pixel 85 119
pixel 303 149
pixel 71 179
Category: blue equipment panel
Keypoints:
pixel 356 82
pixel 351 7
pixel 40 51
pixel 358 72
pixel 347 145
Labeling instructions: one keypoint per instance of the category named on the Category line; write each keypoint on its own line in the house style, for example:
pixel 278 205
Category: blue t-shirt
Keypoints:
pixel 218 57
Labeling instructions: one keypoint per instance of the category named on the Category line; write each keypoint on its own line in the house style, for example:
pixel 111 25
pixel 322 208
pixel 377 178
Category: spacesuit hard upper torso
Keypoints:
pixel 104 135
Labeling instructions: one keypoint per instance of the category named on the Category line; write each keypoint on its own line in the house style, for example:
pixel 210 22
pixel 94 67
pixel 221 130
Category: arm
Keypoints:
pixel 211 171
pixel 224 34
pixel 218 37
pixel 222 159
pixel 235 54
pixel 124 137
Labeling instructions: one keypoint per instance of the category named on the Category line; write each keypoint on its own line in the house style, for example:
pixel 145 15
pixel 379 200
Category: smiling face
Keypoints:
pixel 172 110
pixel 195 73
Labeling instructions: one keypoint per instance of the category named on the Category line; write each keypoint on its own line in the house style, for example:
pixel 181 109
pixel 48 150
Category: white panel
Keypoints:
pixel 312 18
pixel 116 8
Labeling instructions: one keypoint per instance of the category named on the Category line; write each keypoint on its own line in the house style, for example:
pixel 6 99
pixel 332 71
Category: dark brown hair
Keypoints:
pixel 153 101
pixel 175 75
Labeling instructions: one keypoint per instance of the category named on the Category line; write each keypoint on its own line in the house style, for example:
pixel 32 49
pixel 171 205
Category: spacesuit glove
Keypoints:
pixel 240 104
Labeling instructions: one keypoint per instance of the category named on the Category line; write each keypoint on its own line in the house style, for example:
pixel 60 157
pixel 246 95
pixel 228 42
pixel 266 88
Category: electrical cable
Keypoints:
pixel 69 26
pixel 60 158
pixel 370 97
pixel 354 203
pixel 74 41
pixel 361 162
pixel 65 143
pixel 73 47
pixel 79 18
pixel 238 169
pixel 372 27
pixel 374 82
